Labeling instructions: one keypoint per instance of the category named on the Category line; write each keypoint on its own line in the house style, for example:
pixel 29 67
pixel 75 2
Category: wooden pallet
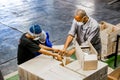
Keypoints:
pixel 108 33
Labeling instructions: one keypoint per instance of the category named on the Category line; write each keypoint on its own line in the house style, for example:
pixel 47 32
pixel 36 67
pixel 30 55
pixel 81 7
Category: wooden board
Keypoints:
pixel 115 75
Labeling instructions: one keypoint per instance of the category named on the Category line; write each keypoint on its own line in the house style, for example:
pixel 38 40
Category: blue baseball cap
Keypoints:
pixel 35 29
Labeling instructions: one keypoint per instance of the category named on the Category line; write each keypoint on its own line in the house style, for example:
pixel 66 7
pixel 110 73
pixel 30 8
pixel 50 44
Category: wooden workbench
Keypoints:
pixel 46 68
pixel 99 74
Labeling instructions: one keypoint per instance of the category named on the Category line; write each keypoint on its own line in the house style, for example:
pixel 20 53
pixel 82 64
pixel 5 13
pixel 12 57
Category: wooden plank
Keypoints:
pixel 115 75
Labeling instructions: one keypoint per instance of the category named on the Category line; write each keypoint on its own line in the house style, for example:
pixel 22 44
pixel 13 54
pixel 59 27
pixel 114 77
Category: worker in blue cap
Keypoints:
pixel 43 37
pixel 33 42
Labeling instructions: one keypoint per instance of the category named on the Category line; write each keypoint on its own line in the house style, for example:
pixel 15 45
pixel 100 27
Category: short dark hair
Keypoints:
pixel 80 12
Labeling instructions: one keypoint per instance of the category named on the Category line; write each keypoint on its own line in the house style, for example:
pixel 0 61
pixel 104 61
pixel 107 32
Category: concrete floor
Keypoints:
pixel 55 16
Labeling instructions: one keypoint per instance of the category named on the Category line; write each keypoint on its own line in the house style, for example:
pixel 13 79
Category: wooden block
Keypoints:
pixel 65 59
pixel 88 65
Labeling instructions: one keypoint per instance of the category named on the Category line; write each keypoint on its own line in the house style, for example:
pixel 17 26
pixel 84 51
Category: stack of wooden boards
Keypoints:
pixel 46 68
pixel 108 33
pixel 98 74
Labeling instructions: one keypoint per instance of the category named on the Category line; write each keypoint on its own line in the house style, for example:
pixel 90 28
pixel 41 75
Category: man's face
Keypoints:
pixel 35 37
pixel 78 18
pixel 41 37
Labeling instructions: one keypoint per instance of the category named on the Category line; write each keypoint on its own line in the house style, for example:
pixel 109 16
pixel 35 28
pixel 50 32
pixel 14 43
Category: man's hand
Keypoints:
pixel 67 53
pixel 56 51
pixel 60 52
pixel 58 57
pixel 63 52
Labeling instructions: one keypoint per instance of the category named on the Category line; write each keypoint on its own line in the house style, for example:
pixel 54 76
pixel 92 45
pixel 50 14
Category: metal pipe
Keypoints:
pixel 116 50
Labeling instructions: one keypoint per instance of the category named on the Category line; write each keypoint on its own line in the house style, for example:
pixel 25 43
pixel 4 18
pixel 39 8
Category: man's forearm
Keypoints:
pixel 46 48
pixel 45 52
pixel 68 41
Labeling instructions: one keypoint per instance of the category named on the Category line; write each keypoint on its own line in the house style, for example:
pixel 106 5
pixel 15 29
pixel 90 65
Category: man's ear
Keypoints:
pixel 85 18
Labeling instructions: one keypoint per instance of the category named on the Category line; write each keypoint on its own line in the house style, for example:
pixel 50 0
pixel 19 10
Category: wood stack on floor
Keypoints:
pixel 108 33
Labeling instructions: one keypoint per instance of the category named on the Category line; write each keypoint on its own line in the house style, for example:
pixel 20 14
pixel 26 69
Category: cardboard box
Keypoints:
pixel 115 75
pixel 89 61
pixel 108 33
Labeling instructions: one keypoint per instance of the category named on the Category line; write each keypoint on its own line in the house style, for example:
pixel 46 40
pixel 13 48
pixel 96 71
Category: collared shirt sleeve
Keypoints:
pixel 73 28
